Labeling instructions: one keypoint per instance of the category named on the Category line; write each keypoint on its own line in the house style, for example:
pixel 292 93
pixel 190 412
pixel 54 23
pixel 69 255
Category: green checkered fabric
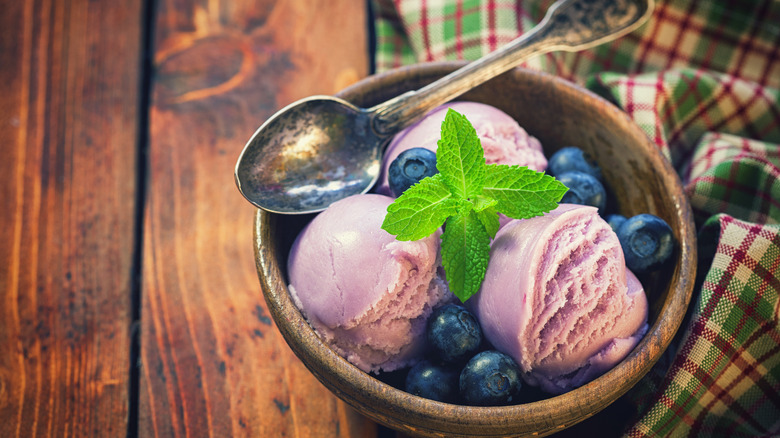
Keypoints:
pixel 702 79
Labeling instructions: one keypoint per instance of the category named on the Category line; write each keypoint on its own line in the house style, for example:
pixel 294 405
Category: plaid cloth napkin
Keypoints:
pixel 702 79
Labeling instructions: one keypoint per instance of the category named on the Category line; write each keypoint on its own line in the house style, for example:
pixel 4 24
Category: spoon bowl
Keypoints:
pixel 309 155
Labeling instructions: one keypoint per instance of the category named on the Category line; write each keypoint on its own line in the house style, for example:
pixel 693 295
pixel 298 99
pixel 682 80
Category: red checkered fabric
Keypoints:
pixel 702 79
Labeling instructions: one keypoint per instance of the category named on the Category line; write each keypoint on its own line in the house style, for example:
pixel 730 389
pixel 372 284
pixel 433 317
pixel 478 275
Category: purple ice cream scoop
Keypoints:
pixel 365 293
pixel 502 138
pixel 558 298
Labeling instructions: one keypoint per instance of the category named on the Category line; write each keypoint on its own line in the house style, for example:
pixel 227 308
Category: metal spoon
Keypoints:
pixel 321 149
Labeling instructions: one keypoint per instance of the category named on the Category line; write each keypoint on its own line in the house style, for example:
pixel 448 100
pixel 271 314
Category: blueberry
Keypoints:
pixel 453 333
pixel 490 378
pixel 647 242
pixel 409 168
pixel 433 381
pixel 615 220
pixel 584 189
pixel 572 158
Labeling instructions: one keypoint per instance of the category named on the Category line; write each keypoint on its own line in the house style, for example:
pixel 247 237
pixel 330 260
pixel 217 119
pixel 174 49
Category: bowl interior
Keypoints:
pixel 639 180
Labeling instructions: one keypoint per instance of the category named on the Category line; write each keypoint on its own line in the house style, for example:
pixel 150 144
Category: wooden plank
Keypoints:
pixel 68 133
pixel 213 363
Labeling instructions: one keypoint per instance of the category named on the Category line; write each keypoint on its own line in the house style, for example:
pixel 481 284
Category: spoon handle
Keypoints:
pixel 569 25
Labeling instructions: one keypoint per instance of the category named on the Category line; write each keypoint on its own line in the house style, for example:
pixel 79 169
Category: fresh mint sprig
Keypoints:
pixel 466 196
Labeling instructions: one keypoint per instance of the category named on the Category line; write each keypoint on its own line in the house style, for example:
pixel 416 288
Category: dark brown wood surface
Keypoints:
pixel 108 224
pixel 213 364
pixel 69 90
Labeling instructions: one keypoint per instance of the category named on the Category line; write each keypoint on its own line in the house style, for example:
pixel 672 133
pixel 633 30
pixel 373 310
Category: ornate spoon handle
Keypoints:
pixel 569 25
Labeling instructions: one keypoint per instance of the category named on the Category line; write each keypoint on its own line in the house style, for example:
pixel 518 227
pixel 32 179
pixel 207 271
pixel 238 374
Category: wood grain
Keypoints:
pixel 213 362
pixel 69 76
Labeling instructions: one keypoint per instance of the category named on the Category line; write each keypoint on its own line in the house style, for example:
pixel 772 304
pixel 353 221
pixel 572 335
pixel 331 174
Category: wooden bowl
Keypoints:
pixel 639 180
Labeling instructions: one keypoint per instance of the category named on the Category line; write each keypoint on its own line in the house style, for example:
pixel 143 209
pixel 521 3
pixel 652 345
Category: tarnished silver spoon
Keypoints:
pixel 321 149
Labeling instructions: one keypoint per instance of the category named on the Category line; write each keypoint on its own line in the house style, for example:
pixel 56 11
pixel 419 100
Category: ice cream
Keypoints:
pixel 558 298
pixel 365 293
pixel 557 295
pixel 503 140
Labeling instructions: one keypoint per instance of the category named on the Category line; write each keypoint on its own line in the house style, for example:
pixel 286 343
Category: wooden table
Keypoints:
pixel 129 300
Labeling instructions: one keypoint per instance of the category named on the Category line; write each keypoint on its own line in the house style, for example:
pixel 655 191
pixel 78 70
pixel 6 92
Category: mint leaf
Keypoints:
pixel 522 193
pixel 486 212
pixel 465 248
pixel 489 219
pixel 482 202
pixel 460 157
pixel 468 194
pixel 420 210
